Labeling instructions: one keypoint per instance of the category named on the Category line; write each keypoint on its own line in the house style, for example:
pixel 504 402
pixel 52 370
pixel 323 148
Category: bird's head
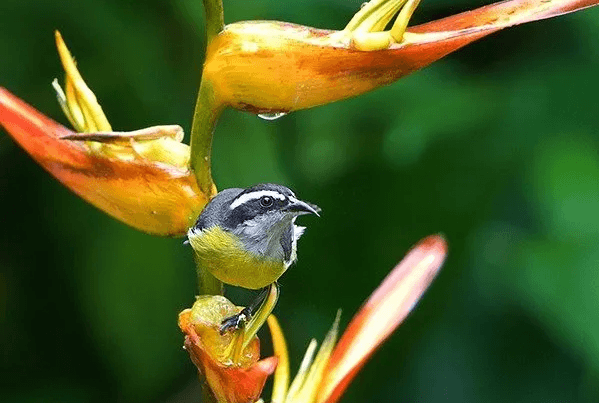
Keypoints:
pixel 262 216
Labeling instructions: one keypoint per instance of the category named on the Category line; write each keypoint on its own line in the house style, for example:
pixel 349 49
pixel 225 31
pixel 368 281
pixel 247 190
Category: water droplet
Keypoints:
pixel 363 5
pixel 271 116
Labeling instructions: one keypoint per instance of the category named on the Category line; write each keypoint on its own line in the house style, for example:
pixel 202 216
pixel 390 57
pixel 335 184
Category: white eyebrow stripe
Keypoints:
pixel 255 195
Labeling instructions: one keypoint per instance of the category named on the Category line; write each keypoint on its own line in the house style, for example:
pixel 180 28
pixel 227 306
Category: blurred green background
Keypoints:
pixel 496 146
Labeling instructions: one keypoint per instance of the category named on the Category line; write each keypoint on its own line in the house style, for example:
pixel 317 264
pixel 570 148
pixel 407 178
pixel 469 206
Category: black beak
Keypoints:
pixel 302 207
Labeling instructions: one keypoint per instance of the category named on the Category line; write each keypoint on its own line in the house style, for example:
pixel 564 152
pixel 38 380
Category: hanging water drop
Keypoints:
pixel 272 115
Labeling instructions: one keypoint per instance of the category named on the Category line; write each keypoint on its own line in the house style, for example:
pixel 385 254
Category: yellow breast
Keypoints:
pixel 225 257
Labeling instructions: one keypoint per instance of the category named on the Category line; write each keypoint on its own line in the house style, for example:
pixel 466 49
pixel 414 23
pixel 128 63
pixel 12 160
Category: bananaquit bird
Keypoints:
pixel 248 238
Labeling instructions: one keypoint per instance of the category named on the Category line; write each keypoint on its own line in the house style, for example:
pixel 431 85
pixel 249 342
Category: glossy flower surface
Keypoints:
pixel 271 67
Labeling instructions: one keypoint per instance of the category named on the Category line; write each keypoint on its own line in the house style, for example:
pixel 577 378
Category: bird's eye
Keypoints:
pixel 266 201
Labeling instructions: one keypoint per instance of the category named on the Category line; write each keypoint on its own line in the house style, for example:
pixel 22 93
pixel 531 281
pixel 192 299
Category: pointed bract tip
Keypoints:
pixel 382 313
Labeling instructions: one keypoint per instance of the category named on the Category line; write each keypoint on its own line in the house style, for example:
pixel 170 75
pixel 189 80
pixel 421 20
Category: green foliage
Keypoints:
pixel 496 146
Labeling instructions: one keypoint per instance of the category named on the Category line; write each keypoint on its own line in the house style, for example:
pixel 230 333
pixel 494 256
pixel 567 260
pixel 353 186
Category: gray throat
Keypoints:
pixel 271 236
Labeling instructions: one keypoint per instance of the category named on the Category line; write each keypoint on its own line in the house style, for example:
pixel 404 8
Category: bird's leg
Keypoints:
pixel 253 318
pixel 239 320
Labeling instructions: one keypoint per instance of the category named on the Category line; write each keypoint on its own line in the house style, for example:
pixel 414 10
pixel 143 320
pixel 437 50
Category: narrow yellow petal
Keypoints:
pixel 86 98
pixel 380 315
pixel 91 122
pixel 313 379
pixel 62 100
pixel 75 109
pixel 281 378
pixel 299 379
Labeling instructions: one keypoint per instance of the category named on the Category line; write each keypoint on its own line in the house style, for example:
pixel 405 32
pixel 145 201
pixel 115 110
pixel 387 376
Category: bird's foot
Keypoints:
pixel 239 321
pixel 235 322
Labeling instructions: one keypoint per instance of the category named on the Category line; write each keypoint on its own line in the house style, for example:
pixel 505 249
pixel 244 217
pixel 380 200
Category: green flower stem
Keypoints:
pixel 205 116
pixel 207 111
pixel 215 20
pixel 208 284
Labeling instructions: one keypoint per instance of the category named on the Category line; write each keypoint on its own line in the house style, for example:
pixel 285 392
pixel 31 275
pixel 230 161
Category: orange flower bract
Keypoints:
pixel 279 67
pixel 153 197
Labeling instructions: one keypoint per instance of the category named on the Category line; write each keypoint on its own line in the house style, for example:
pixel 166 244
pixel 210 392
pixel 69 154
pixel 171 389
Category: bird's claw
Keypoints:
pixel 234 322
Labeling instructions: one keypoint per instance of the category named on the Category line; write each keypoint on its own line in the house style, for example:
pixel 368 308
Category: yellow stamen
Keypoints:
pixel 385 15
pixel 366 29
pixel 380 16
pixel 401 23
pixel 368 9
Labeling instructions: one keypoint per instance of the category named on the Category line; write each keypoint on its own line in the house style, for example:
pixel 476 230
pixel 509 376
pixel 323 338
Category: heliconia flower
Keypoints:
pixel 232 371
pixel 141 178
pixel 272 68
pixel 322 378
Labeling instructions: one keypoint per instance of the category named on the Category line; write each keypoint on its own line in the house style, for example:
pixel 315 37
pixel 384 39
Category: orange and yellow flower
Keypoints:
pixel 238 377
pixel 271 67
pixel 151 181
pixel 141 178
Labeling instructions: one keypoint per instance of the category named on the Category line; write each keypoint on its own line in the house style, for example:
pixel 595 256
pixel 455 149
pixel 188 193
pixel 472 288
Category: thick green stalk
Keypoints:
pixel 207 111
pixel 208 284
pixel 205 116
pixel 215 20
